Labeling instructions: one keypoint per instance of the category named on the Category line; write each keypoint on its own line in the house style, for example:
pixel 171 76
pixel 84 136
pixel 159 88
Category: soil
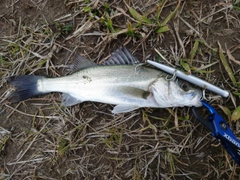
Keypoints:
pixel 46 141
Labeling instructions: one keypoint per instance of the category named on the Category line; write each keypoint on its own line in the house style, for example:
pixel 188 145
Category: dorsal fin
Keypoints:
pixel 121 56
pixel 81 63
pixel 118 57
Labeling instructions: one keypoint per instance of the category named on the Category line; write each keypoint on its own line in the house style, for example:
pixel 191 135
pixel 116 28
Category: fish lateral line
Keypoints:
pixel 121 80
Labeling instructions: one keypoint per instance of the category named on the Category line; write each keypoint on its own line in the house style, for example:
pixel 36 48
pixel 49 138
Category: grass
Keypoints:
pixel 39 139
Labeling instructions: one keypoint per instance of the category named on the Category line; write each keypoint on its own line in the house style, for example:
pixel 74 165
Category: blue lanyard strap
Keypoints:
pixel 221 131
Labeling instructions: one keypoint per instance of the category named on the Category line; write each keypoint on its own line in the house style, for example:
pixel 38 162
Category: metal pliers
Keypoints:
pixel 221 131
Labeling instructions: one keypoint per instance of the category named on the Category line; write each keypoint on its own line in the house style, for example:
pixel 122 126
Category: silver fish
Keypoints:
pixel 190 78
pixel 121 80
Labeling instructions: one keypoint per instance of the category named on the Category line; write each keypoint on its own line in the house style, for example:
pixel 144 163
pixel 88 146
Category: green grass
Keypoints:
pixel 39 139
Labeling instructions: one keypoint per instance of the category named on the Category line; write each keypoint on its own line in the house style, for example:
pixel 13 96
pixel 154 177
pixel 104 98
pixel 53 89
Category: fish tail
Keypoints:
pixel 27 87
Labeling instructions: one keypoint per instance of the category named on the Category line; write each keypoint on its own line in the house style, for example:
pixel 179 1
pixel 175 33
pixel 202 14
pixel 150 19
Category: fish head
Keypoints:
pixel 175 93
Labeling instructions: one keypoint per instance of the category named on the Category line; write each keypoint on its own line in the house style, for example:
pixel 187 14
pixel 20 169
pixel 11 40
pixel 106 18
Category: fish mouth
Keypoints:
pixel 197 96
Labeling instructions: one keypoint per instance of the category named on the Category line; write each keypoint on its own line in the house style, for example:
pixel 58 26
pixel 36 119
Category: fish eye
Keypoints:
pixel 185 86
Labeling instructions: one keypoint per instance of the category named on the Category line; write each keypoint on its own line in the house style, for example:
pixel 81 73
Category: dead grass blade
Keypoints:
pixel 232 58
pixel 87 141
pixel 226 65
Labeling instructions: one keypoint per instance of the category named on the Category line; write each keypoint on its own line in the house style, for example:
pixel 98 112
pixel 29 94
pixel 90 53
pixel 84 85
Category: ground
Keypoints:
pixel 40 139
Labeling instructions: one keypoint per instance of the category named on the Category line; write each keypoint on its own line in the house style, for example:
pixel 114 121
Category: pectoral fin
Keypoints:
pixel 122 108
pixel 133 93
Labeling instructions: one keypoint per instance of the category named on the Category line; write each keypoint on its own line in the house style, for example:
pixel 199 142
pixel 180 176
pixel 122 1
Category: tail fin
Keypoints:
pixel 26 87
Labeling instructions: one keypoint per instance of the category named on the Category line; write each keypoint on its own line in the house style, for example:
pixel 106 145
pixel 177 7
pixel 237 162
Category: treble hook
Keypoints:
pixel 138 65
pixel 204 95
pixel 171 79
pixel 173 76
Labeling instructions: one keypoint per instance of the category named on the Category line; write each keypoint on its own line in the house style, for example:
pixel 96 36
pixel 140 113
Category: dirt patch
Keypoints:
pixel 42 140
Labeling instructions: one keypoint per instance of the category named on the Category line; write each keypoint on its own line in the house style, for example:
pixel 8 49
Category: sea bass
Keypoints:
pixel 121 80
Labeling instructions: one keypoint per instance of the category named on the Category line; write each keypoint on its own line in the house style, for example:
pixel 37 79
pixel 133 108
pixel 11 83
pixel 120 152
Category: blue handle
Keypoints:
pixel 222 132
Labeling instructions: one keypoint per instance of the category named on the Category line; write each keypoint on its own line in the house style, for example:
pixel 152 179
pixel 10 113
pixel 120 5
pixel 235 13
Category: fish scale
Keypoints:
pixel 118 81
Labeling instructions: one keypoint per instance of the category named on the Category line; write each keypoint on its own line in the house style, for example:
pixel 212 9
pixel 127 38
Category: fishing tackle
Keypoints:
pixel 215 123
pixel 220 130
pixel 190 78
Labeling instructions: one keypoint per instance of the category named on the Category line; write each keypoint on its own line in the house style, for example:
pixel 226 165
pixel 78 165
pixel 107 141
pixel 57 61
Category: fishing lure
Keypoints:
pixel 215 123
pixel 190 78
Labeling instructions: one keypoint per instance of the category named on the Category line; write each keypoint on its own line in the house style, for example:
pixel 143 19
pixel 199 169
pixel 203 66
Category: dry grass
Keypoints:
pixel 39 139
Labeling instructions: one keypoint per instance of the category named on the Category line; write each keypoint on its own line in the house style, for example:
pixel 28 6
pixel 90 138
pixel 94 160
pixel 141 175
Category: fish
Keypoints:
pixel 121 80
pixel 190 78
